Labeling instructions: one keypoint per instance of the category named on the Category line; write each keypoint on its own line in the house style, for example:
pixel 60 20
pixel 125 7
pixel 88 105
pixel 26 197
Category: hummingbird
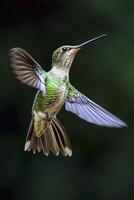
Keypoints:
pixel 46 133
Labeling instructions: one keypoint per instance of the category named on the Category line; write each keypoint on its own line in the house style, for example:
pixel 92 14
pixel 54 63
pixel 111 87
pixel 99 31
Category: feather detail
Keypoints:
pixel 54 139
pixel 62 138
pixel 86 109
pixel 27 70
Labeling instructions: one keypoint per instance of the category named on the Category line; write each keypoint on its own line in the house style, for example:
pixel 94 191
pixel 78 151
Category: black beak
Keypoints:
pixel 89 41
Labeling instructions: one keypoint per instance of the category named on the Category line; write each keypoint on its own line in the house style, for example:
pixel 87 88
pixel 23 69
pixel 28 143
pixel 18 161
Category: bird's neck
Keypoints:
pixel 61 73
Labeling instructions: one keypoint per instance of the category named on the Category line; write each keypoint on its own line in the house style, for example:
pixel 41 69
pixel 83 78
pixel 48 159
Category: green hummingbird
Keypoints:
pixel 45 132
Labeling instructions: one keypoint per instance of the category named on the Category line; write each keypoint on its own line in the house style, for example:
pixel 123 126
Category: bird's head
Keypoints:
pixel 64 56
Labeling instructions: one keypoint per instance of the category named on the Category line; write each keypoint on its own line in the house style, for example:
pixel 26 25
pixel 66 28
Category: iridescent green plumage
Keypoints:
pixel 53 94
pixel 45 132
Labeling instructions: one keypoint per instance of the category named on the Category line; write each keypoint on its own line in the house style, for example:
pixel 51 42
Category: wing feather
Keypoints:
pixel 27 70
pixel 86 109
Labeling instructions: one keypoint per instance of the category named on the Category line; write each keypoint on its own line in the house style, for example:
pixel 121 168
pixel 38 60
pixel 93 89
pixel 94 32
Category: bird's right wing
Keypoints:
pixel 86 109
pixel 27 69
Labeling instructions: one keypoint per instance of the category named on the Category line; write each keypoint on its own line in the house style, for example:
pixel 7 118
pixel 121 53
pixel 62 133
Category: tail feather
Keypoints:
pixel 53 139
pixel 39 145
pixel 62 138
pixel 44 144
pixel 30 136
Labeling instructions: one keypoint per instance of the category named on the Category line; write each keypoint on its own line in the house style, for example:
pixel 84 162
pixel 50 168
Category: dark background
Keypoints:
pixel 102 165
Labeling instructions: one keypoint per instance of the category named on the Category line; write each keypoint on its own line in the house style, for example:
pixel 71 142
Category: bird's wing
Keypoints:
pixel 88 110
pixel 27 69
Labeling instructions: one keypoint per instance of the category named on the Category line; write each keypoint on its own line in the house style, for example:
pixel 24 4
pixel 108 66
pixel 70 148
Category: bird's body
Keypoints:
pixel 45 132
pixel 52 101
pixel 47 106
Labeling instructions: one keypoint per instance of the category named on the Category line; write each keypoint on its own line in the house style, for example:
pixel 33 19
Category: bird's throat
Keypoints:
pixel 61 73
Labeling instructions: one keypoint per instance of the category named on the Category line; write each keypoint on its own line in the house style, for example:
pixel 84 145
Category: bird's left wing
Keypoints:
pixel 27 69
pixel 88 110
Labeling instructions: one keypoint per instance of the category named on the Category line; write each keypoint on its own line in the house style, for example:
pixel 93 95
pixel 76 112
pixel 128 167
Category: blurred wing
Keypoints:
pixel 88 110
pixel 27 69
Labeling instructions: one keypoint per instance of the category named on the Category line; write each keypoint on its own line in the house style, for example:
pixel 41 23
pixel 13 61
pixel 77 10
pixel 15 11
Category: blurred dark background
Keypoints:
pixel 102 165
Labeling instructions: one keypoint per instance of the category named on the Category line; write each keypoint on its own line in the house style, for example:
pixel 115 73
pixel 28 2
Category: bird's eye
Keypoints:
pixel 64 49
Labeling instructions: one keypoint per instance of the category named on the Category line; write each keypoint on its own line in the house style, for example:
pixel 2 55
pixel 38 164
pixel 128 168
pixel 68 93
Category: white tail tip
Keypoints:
pixel 68 151
pixel 27 145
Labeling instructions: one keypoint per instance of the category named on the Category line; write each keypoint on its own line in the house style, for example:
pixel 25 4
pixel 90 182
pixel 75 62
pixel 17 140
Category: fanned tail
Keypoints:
pixel 53 139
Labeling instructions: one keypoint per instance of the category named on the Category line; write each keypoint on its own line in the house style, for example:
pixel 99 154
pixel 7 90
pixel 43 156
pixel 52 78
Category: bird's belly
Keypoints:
pixel 56 103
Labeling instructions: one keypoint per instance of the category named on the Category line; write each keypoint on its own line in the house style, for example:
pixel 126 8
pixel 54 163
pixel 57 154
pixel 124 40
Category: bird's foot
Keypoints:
pixel 53 116
pixel 46 116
